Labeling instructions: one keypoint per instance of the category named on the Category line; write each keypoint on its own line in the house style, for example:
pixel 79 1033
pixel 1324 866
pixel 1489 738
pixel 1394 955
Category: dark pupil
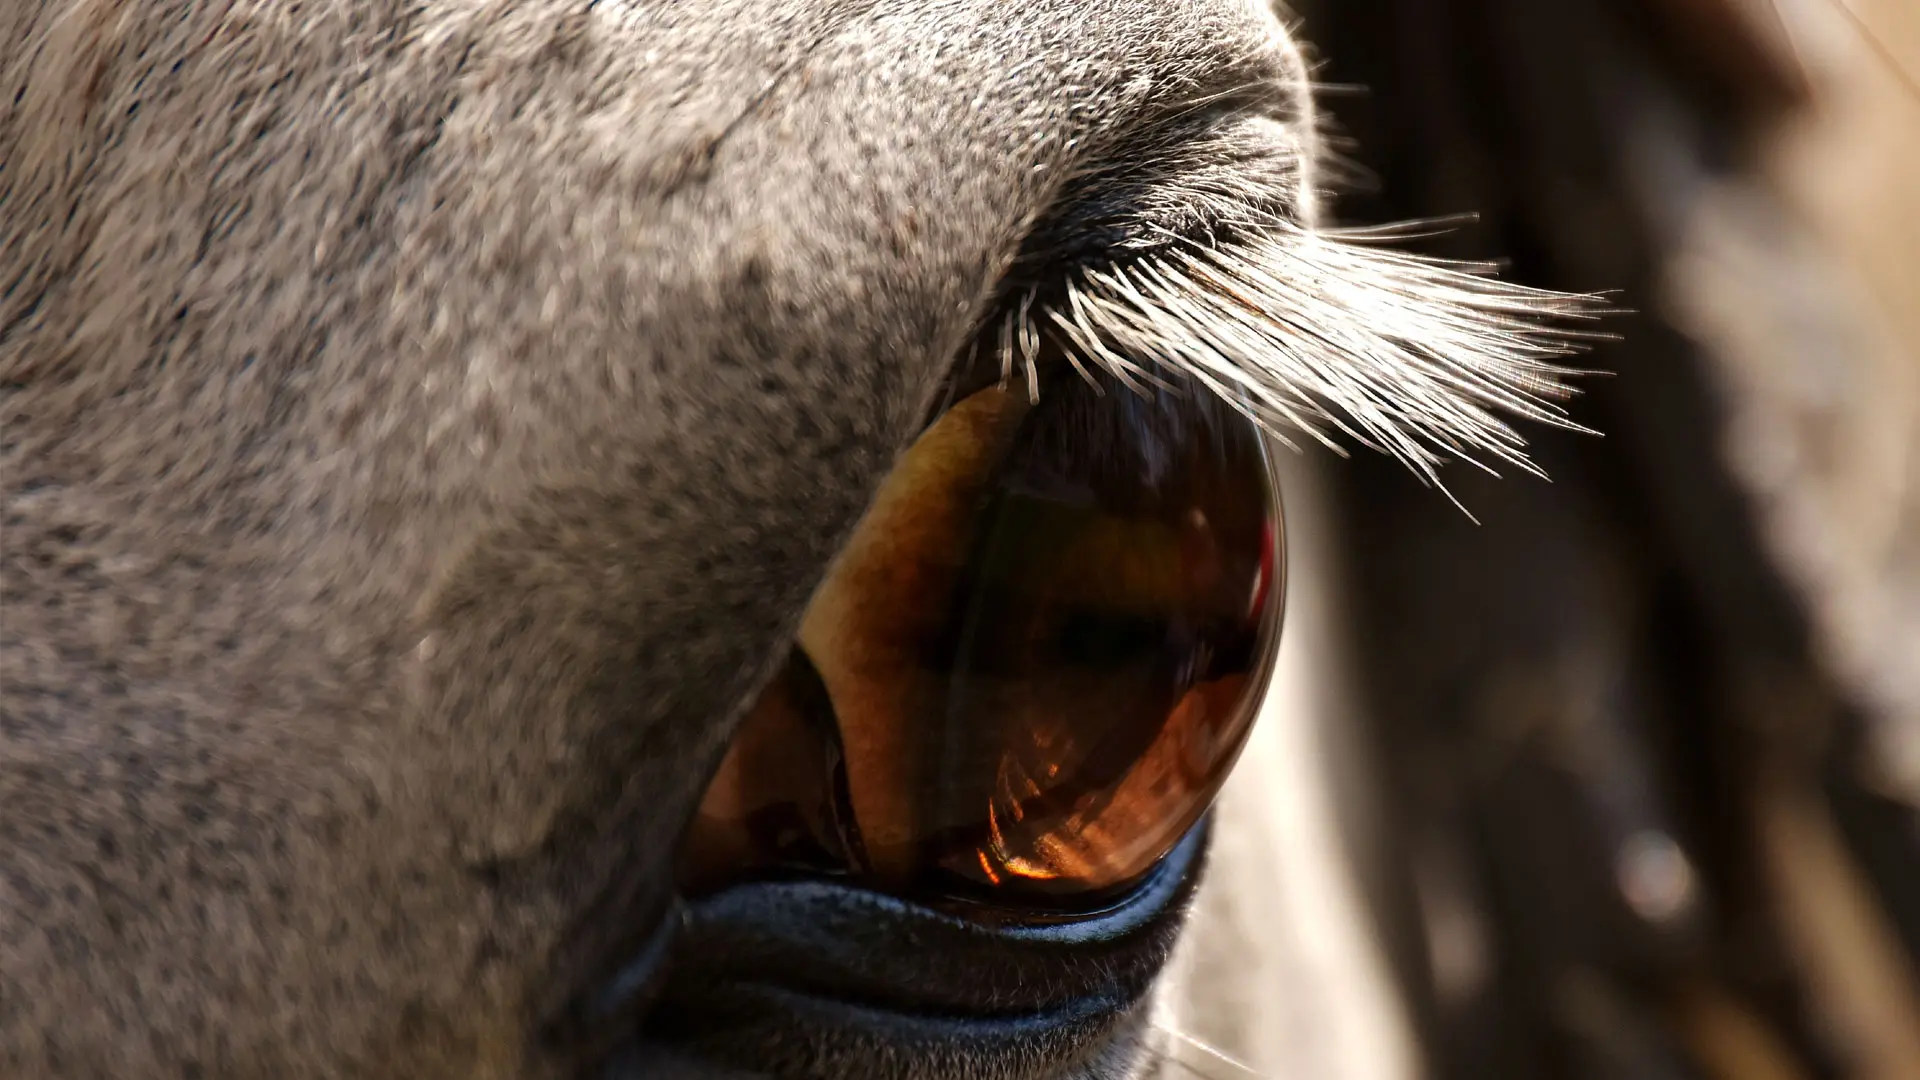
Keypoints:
pixel 1030 678
pixel 1112 572
pixel 1108 639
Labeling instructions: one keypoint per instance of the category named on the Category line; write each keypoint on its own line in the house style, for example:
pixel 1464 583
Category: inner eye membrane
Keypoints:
pixel 1032 667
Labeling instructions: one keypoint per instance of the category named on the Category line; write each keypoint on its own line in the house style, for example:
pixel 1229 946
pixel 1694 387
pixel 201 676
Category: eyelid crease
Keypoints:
pixel 1328 331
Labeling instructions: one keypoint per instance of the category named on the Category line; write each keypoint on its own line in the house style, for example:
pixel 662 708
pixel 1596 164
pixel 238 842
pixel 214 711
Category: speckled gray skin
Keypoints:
pixel 421 422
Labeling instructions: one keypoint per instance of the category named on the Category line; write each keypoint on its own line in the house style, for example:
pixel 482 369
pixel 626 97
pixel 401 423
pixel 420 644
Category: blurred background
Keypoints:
pixel 1623 780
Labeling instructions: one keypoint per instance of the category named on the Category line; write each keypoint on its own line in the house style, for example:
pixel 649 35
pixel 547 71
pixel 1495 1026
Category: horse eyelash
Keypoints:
pixel 1327 331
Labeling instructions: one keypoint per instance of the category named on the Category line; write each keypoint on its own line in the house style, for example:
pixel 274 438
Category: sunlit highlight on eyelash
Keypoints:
pixel 1315 330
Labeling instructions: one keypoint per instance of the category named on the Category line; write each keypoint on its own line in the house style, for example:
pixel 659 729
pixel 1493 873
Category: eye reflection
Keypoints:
pixel 1033 666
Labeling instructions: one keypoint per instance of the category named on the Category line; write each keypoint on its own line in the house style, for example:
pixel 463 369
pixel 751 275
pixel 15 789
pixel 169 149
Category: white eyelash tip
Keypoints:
pixel 1328 331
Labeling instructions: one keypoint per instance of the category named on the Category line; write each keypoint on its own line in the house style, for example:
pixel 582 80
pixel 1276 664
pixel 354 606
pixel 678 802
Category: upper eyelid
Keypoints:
pixel 1306 330
pixel 1162 258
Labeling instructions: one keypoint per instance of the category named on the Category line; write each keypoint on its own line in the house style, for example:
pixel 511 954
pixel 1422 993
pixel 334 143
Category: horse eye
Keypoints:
pixel 1031 669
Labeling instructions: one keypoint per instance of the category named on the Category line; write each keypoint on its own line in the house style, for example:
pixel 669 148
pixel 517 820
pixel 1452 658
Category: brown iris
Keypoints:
pixel 1031 668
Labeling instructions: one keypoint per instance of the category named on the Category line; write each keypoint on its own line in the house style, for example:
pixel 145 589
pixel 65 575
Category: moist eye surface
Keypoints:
pixel 1033 665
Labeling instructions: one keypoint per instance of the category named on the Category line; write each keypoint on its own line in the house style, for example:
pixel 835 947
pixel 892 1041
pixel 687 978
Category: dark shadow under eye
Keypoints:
pixel 1032 667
